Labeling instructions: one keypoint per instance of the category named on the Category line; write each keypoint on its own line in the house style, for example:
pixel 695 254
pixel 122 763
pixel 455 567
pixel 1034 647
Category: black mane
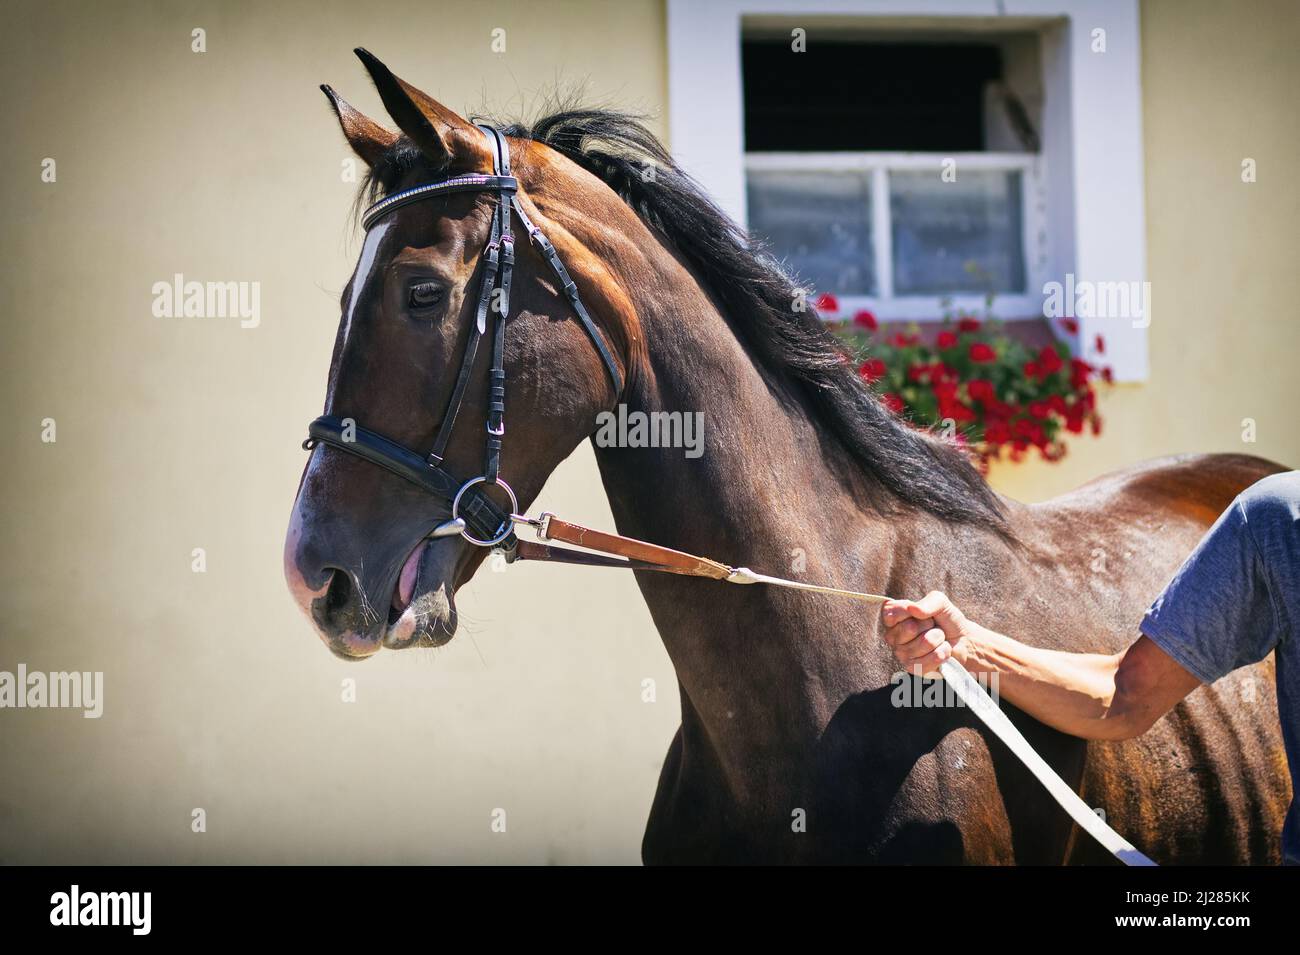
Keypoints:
pixel 916 469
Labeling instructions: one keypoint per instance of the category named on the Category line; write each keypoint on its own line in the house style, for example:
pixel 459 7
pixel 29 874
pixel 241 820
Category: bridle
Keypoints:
pixel 474 515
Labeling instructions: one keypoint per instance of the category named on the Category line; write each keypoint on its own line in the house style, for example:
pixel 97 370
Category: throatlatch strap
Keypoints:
pixel 571 293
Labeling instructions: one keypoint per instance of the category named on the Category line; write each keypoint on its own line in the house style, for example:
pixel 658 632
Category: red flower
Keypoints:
pixel 1049 361
pixel 1101 345
pixel 1107 375
pixel 956 411
pixel 872 370
pixel 1023 428
pixel 997 432
pixel 826 302
pixel 1080 371
pixel 955 369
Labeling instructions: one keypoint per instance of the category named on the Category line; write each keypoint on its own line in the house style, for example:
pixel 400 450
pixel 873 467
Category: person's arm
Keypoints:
pixel 1095 696
pixel 1223 609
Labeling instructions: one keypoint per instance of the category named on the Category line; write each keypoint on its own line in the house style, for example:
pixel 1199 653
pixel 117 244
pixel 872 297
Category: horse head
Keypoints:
pixel 420 361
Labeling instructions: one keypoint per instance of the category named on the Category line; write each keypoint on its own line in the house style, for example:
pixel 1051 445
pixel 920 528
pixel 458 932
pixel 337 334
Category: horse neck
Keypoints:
pixel 769 491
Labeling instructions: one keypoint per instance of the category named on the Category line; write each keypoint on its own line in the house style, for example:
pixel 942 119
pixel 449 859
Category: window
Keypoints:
pixel 1072 130
pixel 869 173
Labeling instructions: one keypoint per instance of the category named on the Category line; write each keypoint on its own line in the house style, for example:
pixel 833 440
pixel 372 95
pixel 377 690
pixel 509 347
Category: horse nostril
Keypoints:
pixel 340 592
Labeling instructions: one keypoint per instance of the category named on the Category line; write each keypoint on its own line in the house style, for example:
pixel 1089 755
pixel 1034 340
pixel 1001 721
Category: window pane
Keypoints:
pixel 939 228
pixel 819 224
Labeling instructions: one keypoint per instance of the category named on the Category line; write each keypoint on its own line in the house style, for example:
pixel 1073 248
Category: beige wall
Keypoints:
pixel 1218 85
pixel 176 434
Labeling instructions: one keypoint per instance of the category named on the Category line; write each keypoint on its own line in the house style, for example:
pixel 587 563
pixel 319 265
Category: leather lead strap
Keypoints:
pixel 668 560
pixel 531 550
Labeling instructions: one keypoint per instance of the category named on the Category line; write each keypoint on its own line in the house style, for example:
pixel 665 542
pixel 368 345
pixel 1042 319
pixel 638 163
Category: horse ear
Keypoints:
pixel 367 138
pixel 443 136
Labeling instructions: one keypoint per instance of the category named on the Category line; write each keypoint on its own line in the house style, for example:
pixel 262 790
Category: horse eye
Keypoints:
pixel 425 295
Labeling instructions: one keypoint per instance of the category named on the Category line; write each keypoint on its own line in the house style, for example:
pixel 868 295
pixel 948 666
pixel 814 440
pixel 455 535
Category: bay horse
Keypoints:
pixel 789 748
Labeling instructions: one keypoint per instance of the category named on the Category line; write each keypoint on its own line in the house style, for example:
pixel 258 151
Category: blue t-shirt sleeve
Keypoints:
pixel 1218 613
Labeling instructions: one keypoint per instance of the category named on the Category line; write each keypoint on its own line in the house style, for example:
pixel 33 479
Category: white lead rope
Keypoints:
pixel 982 705
pixel 975 697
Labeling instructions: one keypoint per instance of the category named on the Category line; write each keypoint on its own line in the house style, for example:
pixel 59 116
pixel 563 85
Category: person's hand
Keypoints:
pixel 924 633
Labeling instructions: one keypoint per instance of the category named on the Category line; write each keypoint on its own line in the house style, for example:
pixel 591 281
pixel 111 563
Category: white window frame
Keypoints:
pixel 1091 136
pixel 889 307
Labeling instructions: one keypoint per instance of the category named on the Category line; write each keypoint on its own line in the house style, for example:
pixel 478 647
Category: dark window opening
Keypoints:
pixel 891 97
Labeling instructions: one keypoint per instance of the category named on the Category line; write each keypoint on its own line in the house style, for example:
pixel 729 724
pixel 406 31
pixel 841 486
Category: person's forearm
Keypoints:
pixel 1072 692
